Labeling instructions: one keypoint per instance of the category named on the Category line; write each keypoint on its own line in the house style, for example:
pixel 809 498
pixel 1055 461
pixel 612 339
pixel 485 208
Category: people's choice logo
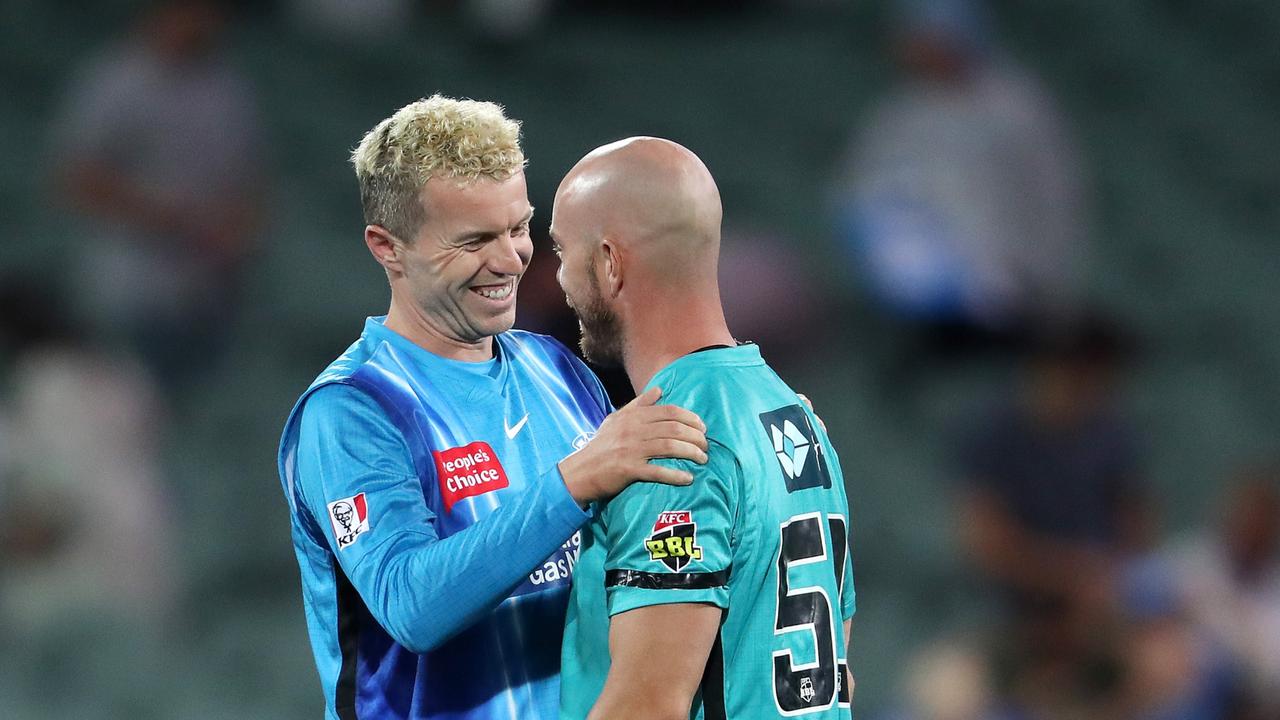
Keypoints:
pixel 468 471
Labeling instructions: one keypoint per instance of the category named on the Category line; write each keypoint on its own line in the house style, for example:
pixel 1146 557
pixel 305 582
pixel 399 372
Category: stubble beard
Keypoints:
pixel 601 328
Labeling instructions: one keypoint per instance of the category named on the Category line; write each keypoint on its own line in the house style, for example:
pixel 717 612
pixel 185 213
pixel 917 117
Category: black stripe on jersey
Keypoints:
pixel 665 581
pixel 712 686
pixel 344 693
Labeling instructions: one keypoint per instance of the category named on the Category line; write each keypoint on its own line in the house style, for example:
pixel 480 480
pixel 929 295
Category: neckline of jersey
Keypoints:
pixel 472 372
pixel 744 354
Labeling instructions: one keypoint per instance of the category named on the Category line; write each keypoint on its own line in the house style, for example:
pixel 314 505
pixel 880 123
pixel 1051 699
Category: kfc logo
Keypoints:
pixel 350 519
pixel 468 471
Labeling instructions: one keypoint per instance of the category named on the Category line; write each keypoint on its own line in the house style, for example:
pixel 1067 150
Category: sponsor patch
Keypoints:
pixel 350 519
pixel 674 540
pixel 557 569
pixel 468 471
pixel 796 447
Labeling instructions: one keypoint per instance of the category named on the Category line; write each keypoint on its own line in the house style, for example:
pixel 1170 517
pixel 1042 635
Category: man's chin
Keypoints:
pixel 498 324
pixel 508 317
pixel 597 354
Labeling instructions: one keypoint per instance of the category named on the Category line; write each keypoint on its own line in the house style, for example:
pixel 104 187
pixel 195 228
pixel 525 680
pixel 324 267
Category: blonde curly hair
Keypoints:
pixel 435 137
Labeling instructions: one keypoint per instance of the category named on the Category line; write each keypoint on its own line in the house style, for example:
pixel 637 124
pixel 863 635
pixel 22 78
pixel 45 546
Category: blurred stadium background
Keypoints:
pixel 145 564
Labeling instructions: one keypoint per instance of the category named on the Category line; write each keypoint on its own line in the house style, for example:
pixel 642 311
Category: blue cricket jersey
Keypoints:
pixel 434 534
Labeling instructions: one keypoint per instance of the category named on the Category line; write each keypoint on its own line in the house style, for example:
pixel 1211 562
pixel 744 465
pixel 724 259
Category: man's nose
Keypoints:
pixel 511 253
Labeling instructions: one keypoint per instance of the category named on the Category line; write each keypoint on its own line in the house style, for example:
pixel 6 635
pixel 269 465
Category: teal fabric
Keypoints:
pixel 720 541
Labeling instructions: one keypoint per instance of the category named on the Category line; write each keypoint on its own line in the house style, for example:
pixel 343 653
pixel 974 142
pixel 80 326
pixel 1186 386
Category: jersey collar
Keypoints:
pixel 460 371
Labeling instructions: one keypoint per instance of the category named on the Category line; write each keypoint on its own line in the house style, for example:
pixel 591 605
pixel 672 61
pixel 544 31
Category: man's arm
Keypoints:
pixel 681 635
pixel 421 588
pixel 666 605
pixel 848 656
pixel 657 658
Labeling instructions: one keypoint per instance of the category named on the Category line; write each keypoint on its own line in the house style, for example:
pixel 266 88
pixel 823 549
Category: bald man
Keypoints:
pixel 730 597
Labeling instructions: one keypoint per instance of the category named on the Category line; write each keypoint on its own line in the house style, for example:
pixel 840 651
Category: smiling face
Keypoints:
pixel 465 262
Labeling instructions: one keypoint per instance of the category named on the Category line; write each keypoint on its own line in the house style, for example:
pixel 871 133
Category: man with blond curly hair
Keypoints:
pixel 437 471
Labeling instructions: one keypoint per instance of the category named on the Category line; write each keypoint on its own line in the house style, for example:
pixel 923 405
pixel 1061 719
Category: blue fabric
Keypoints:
pixel 433 531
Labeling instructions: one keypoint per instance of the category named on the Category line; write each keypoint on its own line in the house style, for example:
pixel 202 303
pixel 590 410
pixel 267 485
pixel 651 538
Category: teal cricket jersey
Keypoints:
pixel 762 533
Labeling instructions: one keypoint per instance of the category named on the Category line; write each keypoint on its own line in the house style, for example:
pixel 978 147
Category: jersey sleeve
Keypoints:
pixel 348 452
pixel 357 479
pixel 670 544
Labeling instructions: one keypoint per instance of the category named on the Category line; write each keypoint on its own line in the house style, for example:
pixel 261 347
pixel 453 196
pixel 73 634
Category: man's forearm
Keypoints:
pixel 426 594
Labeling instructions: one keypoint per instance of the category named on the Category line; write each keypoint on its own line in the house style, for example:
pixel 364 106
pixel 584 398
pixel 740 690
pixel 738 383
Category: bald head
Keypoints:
pixel 653 198
pixel 637 226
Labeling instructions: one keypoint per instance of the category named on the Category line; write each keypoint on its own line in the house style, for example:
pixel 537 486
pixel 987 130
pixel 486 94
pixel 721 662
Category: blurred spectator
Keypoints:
pixel 89 531
pixel 1230 580
pixel 963 199
pixel 160 150
pixel 1052 489
pixel 1052 510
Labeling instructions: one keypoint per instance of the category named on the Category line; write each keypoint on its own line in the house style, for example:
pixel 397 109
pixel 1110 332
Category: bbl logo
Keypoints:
pixel 674 539
pixel 796 447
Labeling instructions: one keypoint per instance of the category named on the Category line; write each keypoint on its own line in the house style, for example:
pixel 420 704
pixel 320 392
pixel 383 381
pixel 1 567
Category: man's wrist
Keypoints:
pixel 560 505
pixel 575 480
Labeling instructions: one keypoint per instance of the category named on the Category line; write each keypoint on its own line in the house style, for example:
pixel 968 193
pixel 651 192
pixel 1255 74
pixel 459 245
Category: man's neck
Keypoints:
pixel 668 330
pixel 411 323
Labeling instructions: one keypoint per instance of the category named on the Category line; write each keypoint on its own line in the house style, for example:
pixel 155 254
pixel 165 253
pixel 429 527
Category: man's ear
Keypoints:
pixel 384 246
pixel 611 268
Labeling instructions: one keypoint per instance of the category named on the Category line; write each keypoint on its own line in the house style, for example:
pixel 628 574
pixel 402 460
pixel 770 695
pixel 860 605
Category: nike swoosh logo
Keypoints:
pixel 512 432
